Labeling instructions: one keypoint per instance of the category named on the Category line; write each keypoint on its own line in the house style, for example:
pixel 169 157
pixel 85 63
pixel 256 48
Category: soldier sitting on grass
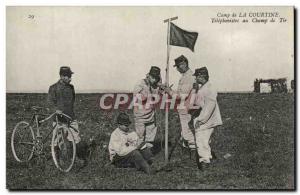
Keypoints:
pixel 124 149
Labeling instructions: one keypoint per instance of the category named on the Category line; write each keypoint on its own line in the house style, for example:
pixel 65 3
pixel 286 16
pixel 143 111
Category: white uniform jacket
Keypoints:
pixel 185 86
pixel 122 143
pixel 210 115
pixel 143 91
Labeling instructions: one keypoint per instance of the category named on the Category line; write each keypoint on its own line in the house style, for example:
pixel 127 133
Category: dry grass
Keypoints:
pixel 258 132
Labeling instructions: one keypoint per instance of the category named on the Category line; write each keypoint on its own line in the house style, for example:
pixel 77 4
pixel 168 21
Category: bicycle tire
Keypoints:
pixel 56 148
pixel 30 143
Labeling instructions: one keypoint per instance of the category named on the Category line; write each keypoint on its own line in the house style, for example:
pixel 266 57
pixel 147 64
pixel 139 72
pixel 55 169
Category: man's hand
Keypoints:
pixel 167 89
pixel 198 124
pixel 196 86
pixel 161 86
pixel 191 124
pixel 141 146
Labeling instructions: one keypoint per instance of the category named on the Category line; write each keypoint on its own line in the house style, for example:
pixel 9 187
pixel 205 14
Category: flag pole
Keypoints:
pixel 167 84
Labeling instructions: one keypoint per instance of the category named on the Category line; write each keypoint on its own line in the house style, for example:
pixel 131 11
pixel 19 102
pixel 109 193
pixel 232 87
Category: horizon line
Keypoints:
pixel 105 91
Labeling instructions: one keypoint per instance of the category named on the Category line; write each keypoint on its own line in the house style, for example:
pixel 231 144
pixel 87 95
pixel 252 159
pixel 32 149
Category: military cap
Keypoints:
pixel 180 59
pixel 65 71
pixel 155 72
pixel 201 71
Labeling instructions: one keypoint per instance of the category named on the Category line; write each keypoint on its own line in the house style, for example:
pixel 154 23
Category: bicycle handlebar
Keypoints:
pixel 55 114
pixel 67 116
pixel 35 108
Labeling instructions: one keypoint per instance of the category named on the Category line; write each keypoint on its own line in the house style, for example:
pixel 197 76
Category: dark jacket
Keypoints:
pixel 61 96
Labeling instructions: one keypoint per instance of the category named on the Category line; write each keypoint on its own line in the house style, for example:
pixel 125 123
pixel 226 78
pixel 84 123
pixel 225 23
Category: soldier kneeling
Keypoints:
pixel 124 149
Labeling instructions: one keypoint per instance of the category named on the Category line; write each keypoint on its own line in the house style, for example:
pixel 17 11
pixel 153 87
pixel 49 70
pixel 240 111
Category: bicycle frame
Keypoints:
pixel 35 146
pixel 35 121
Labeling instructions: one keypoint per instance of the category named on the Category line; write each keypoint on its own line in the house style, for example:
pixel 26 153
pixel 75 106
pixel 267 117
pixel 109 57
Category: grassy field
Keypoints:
pixel 258 133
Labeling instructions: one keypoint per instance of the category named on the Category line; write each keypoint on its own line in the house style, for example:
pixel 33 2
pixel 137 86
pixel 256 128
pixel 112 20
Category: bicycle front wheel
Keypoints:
pixel 63 148
pixel 22 142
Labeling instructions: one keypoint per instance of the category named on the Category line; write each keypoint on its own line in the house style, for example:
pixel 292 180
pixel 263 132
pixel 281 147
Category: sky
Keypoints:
pixel 112 48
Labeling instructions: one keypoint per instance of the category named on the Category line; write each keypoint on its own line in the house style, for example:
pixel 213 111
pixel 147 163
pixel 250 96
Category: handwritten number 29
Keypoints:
pixel 31 16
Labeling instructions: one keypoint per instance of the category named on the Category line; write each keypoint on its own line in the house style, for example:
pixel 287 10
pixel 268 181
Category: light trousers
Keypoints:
pixel 186 132
pixel 146 132
pixel 203 141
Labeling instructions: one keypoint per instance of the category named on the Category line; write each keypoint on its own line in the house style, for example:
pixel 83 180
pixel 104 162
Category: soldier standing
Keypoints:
pixel 144 115
pixel 209 118
pixel 61 98
pixel 185 86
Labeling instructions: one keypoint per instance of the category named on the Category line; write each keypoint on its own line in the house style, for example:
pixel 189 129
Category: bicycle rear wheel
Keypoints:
pixel 63 148
pixel 22 142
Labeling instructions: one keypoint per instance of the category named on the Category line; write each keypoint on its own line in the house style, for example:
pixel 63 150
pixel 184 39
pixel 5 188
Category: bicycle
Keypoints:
pixel 25 142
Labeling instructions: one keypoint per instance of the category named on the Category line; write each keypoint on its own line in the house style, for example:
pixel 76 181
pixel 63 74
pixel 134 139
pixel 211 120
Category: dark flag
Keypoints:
pixel 182 38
